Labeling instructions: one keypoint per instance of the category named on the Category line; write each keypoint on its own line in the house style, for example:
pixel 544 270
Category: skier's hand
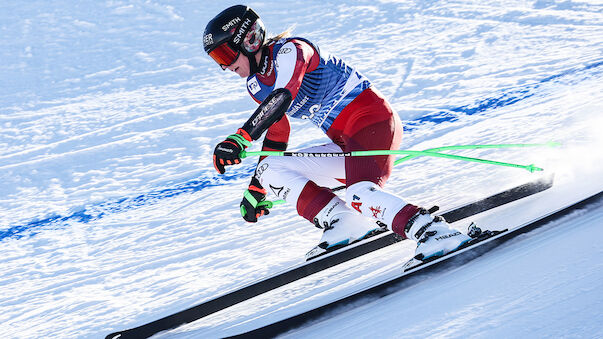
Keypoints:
pixel 254 204
pixel 228 151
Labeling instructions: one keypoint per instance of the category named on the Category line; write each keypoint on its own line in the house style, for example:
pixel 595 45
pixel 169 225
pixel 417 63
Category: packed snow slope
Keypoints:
pixel 111 214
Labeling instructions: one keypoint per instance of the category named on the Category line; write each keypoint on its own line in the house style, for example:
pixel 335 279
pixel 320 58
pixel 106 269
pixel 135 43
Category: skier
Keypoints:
pixel 292 77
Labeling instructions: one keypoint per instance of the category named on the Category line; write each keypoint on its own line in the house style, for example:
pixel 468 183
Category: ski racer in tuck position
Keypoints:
pixel 292 77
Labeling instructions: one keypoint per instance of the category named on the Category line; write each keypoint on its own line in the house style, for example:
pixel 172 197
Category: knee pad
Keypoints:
pixel 372 201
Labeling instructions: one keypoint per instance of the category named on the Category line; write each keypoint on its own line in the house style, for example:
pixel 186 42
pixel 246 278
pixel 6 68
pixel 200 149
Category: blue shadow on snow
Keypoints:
pixel 508 97
pixel 97 211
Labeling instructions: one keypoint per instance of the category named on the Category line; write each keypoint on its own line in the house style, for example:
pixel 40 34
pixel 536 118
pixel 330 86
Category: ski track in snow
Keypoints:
pixel 111 214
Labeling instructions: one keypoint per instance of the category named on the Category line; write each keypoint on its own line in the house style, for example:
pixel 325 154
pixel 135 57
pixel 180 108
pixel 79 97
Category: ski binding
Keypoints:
pixel 477 236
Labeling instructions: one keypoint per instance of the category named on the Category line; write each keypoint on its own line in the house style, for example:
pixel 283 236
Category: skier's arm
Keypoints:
pixel 294 59
pixel 271 110
pixel 277 137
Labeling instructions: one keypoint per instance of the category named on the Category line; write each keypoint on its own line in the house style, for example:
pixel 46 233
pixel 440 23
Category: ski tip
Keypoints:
pixel 533 168
pixel 315 252
pixel 412 263
pixel 115 335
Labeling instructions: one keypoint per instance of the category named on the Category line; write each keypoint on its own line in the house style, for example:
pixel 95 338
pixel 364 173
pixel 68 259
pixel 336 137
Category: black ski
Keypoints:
pixel 321 263
pixel 415 269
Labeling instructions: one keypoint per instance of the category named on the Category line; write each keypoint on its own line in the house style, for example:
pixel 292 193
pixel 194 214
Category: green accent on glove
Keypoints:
pixel 255 203
pixel 252 200
pixel 243 211
pixel 240 140
pixel 266 204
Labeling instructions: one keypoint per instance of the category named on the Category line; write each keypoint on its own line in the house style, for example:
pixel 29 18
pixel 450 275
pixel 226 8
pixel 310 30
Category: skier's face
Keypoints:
pixel 240 66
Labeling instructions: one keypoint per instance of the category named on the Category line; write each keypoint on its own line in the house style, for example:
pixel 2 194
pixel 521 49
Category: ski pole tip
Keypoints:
pixel 553 144
pixel 533 168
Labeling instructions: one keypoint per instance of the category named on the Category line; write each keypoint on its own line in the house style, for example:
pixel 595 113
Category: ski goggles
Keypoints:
pixel 224 55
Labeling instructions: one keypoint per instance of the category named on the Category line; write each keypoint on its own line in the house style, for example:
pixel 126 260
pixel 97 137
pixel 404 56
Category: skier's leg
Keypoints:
pixel 367 175
pixel 433 235
pixel 304 181
pixel 374 127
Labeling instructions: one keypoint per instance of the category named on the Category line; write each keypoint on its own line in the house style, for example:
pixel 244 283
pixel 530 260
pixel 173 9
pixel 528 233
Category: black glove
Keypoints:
pixel 228 151
pixel 254 204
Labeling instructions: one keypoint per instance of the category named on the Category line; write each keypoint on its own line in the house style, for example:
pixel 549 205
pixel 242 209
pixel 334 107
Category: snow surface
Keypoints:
pixel 111 214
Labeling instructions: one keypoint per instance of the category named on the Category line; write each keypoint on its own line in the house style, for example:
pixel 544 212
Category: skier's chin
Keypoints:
pixel 242 72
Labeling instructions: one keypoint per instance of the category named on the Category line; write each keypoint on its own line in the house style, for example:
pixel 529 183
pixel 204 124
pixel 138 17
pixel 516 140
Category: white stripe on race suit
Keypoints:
pixel 285 64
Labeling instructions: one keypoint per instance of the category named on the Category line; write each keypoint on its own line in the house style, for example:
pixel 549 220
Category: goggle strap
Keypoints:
pixel 244 27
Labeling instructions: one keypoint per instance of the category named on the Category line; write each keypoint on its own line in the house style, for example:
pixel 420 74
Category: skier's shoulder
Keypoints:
pixel 288 44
